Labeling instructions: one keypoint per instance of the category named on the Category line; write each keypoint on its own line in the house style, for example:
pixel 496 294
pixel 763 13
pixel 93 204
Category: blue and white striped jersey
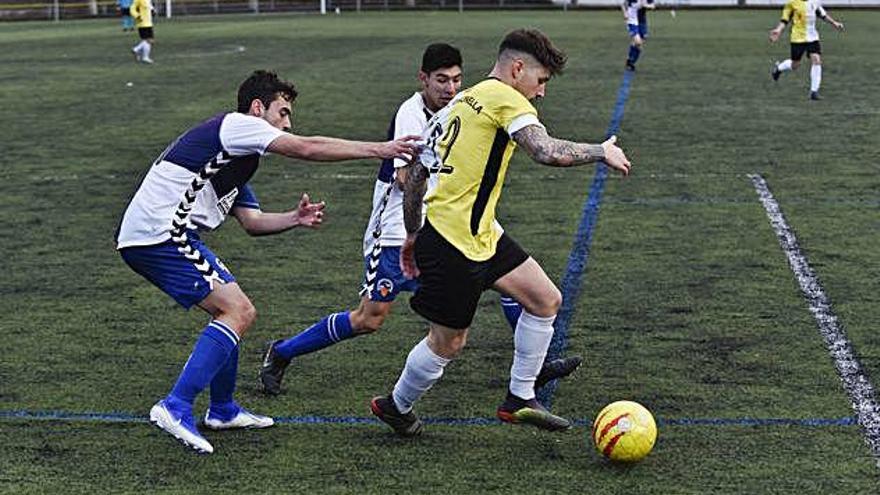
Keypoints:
pixel 386 219
pixel 236 139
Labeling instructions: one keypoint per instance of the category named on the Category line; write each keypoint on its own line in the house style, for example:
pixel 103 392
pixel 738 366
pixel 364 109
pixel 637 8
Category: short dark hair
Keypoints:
pixel 440 56
pixel 265 86
pixel 536 44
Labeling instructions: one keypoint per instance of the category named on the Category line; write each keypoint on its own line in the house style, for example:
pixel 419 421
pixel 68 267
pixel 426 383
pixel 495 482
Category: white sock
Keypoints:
pixel 137 48
pixel 146 49
pixel 531 340
pixel 784 66
pixel 423 369
pixel 815 77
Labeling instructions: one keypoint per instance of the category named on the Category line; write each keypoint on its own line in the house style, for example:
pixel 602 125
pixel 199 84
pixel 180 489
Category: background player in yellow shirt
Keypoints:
pixel 142 12
pixel 804 38
pixel 460 251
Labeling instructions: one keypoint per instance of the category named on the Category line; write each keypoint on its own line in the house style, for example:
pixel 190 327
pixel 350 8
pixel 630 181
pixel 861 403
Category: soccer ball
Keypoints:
pixel 624 431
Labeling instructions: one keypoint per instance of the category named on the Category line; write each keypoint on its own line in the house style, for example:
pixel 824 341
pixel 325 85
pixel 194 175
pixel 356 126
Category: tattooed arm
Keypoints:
pixel 414 187
pixel 415 184
pixel 554 152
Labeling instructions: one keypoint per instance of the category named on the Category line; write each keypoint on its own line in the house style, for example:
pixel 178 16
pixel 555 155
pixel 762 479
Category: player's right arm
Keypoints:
pixel 414 187
pixel 776 32
pixel 328 149
pixel 554 152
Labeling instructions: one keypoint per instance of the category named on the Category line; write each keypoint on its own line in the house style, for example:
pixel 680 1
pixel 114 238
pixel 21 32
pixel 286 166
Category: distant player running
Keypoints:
pixel 459 251
pixel 142 12
pixel 202 177
pixel 636 14
pixel 804 39
pixel 440 77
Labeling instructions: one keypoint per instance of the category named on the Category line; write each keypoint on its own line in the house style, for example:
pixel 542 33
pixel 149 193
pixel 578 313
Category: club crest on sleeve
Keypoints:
pixel 385 287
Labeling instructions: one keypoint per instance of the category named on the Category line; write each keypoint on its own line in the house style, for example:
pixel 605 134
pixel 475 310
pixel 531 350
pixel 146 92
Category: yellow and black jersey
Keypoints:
pixel 469 146
pixel 801 14
pixel 142 11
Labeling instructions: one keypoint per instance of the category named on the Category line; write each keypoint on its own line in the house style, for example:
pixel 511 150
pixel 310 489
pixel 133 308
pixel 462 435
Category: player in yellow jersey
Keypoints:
pixel 460 251
pixel 804 39
pixel 142 12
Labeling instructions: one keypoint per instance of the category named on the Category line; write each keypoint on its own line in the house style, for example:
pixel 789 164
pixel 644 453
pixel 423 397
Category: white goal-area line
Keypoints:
pixel 852 375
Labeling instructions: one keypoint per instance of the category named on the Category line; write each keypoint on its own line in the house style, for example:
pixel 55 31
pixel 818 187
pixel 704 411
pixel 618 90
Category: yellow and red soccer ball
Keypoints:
pixel 624 431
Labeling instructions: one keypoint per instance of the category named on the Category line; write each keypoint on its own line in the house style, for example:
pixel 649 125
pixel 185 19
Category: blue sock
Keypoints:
pixel 332 329
pixel 223 386
pixel 512 310
pixel 208 357
pixel 634 53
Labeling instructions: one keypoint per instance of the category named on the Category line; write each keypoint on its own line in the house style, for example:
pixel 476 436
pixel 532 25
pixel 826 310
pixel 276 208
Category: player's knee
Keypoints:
pixel 548 305
pixel 369 324
pixel 795 64
pixel 448 346
pixel 246 314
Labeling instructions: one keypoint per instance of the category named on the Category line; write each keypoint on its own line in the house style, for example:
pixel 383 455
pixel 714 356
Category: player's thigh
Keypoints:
pixel 532 288
pixel 450 284
pixel 383 278
pixel 186 281
pixel 797 52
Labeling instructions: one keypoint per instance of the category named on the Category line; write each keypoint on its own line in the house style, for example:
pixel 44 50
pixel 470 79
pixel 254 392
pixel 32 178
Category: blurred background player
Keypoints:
pixel 440 77
pixel 635 13
pixel 804 38
pixel 125 13
pixel 459 251
pixel 202 177
pixel 142 12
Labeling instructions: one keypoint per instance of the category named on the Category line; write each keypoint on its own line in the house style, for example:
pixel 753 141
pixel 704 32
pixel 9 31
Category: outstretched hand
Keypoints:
pixel 402 148
pixel 614 156
pixel 774 35
pixel 408 257
pixel 309 214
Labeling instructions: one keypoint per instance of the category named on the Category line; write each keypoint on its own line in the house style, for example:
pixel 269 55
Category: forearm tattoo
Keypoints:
pixel 548 150
pixel 414 188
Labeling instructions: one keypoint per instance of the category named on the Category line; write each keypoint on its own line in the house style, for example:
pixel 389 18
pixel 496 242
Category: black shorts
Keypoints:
pixel 124 11
pixel 450 284
pixel 798 49
pixel 145 33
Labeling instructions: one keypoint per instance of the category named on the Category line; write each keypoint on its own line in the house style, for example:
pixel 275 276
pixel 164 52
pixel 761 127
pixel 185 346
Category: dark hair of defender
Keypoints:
pixel 538 45
pixel 440 56
pixel 265 86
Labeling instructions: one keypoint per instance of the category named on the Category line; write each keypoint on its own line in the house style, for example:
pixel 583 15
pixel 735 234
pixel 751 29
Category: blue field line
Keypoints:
pixel 122 417
pixel 580 252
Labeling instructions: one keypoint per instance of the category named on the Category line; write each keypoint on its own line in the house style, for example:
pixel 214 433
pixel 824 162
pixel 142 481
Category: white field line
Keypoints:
pixel 209 53
pixel 855 381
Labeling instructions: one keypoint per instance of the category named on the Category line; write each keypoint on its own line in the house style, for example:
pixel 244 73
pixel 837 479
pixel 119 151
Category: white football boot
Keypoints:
pixel 242 419
pixel 180 428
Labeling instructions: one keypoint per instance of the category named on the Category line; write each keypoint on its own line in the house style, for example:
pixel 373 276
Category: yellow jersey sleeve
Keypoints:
pixel 475 147
pixel 787 12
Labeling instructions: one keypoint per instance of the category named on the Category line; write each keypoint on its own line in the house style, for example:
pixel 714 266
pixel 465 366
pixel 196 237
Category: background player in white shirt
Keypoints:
pixel 440 76
pixel 635 13
pixel 193 185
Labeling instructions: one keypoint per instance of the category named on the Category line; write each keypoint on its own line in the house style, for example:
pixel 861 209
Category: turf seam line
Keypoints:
pixel 127 418
pixel 580 252
pixel 852 374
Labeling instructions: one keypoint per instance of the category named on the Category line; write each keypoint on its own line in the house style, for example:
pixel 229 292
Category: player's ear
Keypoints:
pixel 517 68
pixel 257 108
pixel 423 78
